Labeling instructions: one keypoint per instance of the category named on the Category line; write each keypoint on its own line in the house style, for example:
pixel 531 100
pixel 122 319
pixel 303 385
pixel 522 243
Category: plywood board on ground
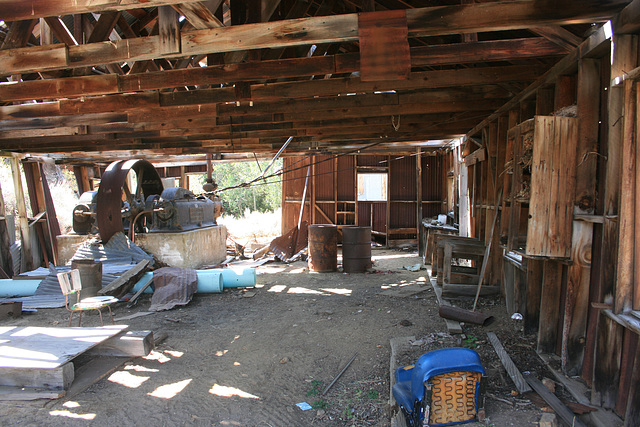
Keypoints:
pixel 48 348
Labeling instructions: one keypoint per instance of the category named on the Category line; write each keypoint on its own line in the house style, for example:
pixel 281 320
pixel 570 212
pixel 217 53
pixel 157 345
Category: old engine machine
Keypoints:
pixel 148 208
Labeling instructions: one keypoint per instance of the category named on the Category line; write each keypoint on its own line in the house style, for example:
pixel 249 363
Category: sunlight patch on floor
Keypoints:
pixel 224 391
pixel 168 391
pixel 68 414
pixel 127 379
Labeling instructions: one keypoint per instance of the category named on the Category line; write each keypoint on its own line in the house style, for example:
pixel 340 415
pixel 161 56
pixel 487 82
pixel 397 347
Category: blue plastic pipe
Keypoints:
pixel 232 278
pixel 211 281
pixel 18 288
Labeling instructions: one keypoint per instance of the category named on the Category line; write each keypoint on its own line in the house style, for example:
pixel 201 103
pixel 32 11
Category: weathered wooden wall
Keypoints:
pixel 577 282
pixel 331 197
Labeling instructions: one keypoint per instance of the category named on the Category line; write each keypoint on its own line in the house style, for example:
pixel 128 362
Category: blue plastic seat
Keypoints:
pixel 442 388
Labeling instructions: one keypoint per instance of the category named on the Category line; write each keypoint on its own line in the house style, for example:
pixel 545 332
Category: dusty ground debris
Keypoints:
pixel 249 361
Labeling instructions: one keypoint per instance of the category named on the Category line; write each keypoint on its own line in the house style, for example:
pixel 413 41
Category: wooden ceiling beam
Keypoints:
pixel 264 70
pixel 302 89
pixel 429 21
pixel 13 10
pixel 60 30
pixel 558 35
pixel 595 42
pixel 200 14
pixel 18 34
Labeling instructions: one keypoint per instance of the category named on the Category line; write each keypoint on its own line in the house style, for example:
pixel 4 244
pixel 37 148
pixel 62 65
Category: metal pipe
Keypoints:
pixel 284 146
pixel 462 315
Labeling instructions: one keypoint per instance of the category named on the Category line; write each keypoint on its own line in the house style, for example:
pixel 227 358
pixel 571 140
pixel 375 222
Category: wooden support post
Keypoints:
pixel 565 93
pixel 544 101
pixel 606 374
pixel 5 241
pixel 629 347
pixel 627 216
pixel 576 305
pixel 312 192
pixel 549 306
pixel 533 295
pixel 588 104
pixel 169 30
pixel 36 198
pixel 609 337
pixel 82 179
pixel 632 414
pixel 419 199
pixel 636 263
pixel 27 253
pixel 387 204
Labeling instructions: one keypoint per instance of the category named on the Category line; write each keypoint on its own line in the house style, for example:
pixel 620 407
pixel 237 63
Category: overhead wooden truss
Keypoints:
pixel 82 77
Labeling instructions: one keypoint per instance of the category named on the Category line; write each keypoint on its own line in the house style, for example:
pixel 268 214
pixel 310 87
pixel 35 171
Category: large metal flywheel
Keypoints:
pixel 116 204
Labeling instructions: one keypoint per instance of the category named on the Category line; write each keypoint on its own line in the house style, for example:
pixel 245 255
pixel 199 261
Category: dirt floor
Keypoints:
pixel 247 357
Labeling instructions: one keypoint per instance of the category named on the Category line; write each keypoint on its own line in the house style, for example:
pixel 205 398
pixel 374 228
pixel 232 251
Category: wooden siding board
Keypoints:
pixel 552 187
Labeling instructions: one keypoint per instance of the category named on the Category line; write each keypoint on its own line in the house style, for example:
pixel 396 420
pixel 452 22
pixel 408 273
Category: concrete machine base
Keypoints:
pixel 187 249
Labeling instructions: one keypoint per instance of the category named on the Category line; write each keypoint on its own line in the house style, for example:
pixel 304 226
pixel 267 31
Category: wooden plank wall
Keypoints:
pixel 564 292
pixel 331 197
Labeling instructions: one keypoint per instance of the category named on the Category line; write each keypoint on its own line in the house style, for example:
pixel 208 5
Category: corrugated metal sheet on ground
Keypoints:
pixel 119 250
pixel 39 301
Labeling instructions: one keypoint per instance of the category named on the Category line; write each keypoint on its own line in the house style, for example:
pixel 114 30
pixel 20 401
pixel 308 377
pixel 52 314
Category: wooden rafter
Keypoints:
pixel 330 29
pixel 13 10
pixel 298 67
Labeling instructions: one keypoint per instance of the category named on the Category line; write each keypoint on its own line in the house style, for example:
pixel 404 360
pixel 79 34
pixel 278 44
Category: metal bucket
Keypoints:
pixel 90 276
pixel 356 249
pixel 323 248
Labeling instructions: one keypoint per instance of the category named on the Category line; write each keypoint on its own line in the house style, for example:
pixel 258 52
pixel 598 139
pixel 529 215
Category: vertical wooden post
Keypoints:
pixel 550 306
pixel 626 222
pixel 82 179
pixel 419 200
pixel 5 241
pixel 312 192
pixel 36 198
pixel 53 225
pixel 636 263
pixel 388 204
pixel 565 93
pixel 544 101
pixel 533 295
pixel 608 343
pixel 577 298
pixel 335 190
pixel 27 253
pixel 629 347
pixel 576 307
pixel 169 30
pixel 632 414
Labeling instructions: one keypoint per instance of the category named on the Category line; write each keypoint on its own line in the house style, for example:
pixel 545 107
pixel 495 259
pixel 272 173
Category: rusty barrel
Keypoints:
pixel 90 276
pixel 323 248
pixel 356 249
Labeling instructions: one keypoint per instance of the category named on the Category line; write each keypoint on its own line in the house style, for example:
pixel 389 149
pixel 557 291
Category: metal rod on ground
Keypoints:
pixel 339 375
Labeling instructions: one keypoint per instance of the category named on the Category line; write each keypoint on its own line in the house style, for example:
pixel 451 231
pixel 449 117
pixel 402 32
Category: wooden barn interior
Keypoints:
pixel 518 120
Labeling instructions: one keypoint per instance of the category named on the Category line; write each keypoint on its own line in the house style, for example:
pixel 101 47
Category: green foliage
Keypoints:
pixel 470 342
pixel 320 404
pixel 372 394
pixel 261 196
pixel 315 388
